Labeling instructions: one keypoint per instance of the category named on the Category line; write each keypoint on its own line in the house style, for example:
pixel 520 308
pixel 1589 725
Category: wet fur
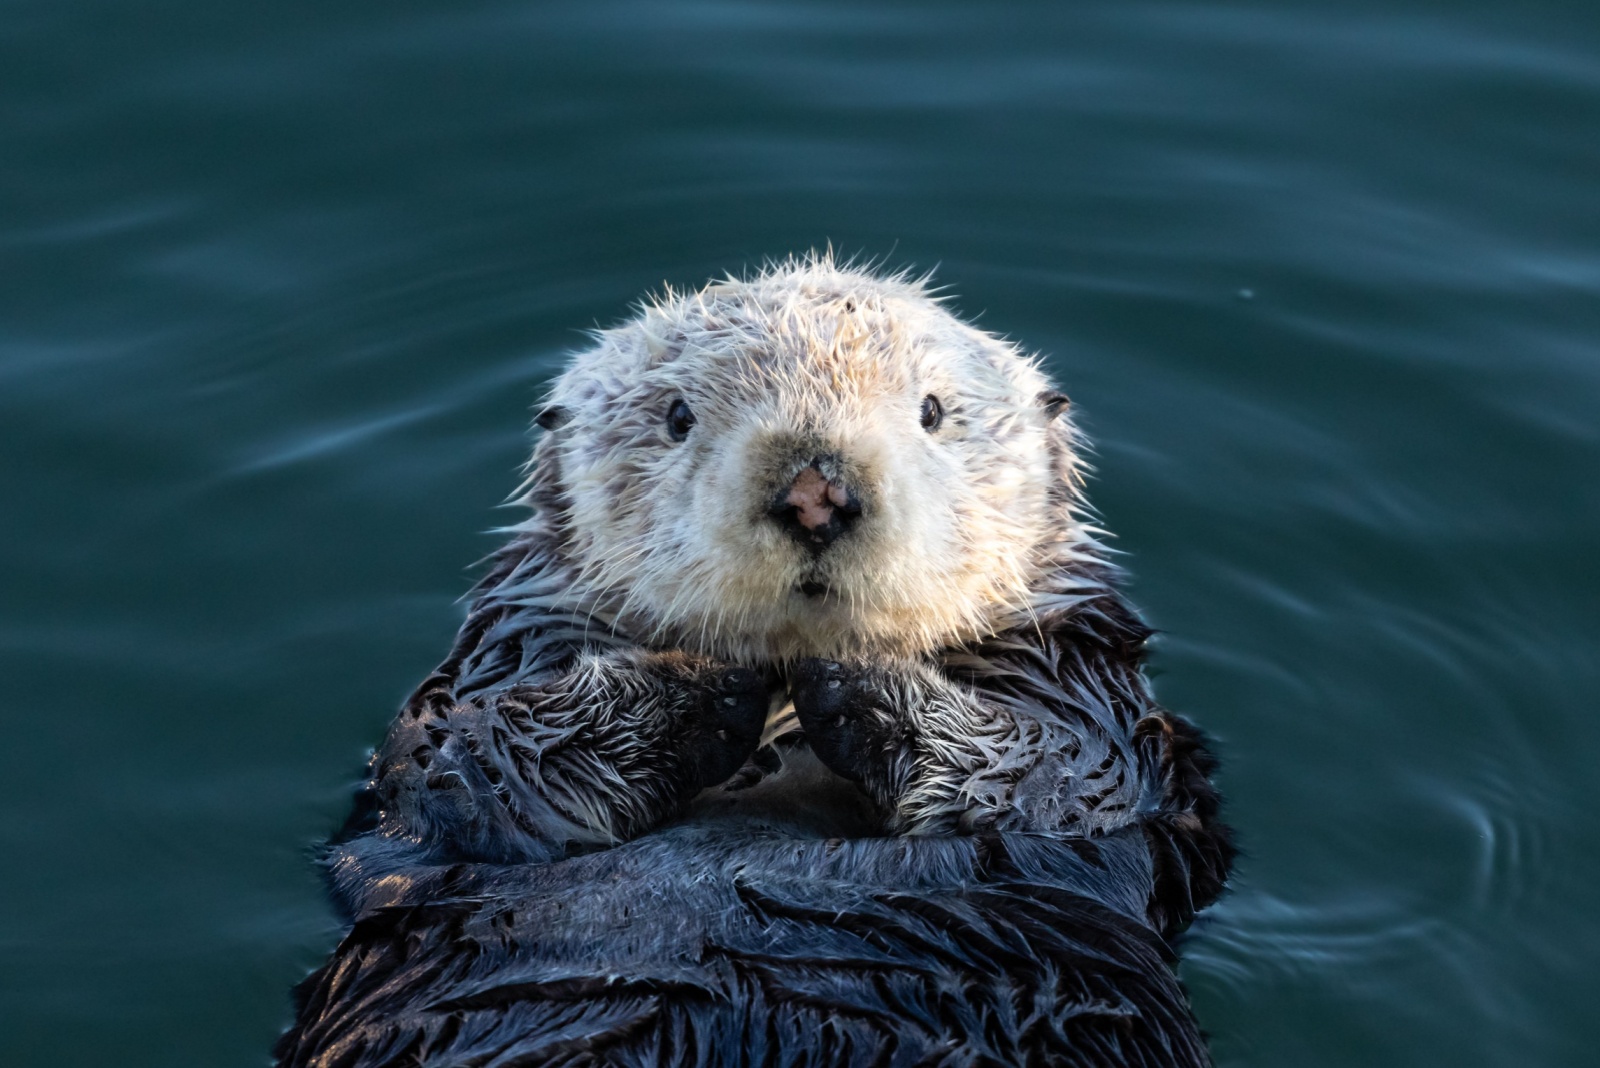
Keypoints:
pixel 975 848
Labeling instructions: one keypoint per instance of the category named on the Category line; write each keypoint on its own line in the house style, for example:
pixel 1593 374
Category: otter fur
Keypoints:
pixel 800 723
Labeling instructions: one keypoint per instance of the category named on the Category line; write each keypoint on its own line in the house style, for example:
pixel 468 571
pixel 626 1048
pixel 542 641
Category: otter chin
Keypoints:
pixel 802 722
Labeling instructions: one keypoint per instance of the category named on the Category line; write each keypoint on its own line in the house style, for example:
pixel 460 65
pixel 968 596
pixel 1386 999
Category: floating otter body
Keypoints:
pixel 801 724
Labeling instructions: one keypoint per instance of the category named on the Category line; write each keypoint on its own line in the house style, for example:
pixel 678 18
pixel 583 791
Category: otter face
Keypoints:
pixel 816 462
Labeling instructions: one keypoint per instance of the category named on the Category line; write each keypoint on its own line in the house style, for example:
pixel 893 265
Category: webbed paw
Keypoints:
pixel 724 725
pixel 840 711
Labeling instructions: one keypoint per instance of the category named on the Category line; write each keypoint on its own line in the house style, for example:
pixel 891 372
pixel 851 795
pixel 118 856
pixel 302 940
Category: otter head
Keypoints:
pixel 813 462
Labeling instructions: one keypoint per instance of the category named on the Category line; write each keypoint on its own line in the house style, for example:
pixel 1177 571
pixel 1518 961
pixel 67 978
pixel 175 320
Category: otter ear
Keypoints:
pixel 552 417
pixel 1053 403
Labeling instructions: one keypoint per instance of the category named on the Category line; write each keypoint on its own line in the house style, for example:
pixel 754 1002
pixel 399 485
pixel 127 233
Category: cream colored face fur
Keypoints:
pixel 672 539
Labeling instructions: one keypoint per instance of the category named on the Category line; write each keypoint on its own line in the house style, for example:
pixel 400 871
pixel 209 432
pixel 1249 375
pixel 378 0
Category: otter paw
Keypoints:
pixel 724 725
pixel 839 711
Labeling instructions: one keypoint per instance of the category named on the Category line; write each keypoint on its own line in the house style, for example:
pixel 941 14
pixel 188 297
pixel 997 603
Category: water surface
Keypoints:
pixel 279 283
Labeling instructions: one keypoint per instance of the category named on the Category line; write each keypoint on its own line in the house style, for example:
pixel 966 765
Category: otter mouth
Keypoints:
pixel 812 588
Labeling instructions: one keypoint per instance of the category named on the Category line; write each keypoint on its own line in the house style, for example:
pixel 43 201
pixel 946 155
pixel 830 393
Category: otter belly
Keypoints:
pixel 707 943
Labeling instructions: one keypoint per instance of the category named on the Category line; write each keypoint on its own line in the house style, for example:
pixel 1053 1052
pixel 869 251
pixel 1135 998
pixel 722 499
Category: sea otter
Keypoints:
pixel 800 723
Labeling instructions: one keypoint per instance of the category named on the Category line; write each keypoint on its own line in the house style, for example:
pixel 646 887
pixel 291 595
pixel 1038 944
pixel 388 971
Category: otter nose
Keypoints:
pixel 814 510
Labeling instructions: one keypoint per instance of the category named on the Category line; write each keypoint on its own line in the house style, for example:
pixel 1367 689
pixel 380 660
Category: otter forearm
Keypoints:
pixel 936 755
pixel 1033 731
pixel 596 754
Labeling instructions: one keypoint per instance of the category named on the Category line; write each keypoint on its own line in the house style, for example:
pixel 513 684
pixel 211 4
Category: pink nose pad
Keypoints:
pixel 814 510
pixel 814 498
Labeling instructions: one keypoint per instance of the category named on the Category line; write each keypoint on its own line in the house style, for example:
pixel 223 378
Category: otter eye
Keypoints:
pixel 679 419
pixel 932 413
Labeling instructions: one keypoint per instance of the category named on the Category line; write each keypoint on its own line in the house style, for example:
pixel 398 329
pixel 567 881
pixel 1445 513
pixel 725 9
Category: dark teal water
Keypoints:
pixel 279 283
